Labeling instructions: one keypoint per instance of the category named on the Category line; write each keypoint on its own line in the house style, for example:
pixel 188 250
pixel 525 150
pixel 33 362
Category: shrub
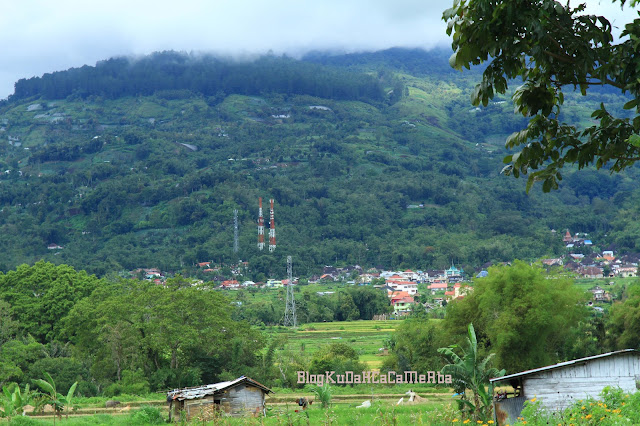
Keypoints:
pixel 147 415
pixel 324 394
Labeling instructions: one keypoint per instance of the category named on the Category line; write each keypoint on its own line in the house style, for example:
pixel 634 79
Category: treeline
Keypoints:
pixel 117 336
pixel 350 304
pixel 172 73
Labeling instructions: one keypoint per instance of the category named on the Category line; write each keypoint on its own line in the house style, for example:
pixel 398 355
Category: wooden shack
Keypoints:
pixel 560 385
pixel 240 397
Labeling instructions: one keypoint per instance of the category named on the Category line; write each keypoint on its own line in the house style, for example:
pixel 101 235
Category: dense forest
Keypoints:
pixel 205 74
pixel 374 159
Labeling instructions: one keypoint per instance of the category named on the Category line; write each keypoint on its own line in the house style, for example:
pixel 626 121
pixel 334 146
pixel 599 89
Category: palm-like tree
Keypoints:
pixel 57 400
pixel 470 372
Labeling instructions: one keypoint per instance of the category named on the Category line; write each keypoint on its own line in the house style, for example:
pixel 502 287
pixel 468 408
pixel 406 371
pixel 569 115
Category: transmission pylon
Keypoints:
pixel 290 319
pixel 260 225
pixel 272 229
pixel 235 231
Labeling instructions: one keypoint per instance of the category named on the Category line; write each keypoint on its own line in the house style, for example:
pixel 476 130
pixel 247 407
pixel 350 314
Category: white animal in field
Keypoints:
pixel 414 398
pixel 365 404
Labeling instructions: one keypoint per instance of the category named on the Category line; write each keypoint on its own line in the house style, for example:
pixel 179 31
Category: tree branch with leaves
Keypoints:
pixel 552 47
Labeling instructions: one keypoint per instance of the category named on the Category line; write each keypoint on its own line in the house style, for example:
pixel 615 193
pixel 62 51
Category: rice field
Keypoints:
pixel 366 337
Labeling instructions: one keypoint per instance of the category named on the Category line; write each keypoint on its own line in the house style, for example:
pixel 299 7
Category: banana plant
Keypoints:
pixel 57 400
pixel 13 401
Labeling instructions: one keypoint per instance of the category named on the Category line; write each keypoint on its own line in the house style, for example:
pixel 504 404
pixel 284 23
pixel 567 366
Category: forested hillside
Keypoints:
pixel 374 159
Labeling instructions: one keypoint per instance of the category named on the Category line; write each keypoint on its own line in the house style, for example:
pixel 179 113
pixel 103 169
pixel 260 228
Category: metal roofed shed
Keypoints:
pixel 240 397
pixel 560 385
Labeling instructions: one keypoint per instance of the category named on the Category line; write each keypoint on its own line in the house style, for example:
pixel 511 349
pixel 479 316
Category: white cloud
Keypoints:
pixel 39 36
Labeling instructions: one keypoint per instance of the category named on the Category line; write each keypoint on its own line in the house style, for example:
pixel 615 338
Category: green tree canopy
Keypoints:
pixel 169 332
pixel 552 47
pixel 623 324
pixel 42 294
pixel 415 345
pixel 522 314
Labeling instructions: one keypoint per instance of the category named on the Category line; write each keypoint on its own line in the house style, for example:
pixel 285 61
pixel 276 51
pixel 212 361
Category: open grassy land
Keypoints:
pixel 366 337
pixel 437 410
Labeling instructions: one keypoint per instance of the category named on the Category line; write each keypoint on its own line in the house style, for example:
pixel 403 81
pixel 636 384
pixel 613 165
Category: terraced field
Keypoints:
pixel 366 337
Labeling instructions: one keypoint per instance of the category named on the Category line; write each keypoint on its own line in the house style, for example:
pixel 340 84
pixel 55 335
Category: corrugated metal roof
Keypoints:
pixel 202 391
pixel 561 365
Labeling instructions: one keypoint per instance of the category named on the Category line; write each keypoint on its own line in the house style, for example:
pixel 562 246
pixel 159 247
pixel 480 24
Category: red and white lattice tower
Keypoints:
pixel 272 230
pixel 260 225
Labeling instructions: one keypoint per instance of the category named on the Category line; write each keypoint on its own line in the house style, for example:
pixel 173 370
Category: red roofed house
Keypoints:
pixel 401 302
pixel 438 287
pixel 461 290
pixel 230 284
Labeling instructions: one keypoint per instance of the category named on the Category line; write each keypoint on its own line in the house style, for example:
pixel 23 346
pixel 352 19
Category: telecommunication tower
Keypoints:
pixel 260 225
pixel 290 319
pixel 272 229
pixel 235 231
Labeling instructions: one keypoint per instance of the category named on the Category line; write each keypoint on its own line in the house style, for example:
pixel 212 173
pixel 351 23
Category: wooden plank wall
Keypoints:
pixel 243 400
pixel 559 388
pixel 239 401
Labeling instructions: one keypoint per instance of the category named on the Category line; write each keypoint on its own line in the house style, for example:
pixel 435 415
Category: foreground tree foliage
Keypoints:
pixel 623 324
pixel 521 313
pixel 553 48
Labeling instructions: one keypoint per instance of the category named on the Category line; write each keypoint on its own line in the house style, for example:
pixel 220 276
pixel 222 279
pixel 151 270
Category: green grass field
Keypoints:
pixel 436 410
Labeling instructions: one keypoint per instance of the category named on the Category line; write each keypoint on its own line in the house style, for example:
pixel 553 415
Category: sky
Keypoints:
pixel 41 36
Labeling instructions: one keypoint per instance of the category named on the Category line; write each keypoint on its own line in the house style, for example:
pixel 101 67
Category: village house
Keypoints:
pixel 368 277
pixel 401 302
pixel 327 278
pixel 600 295
pixel 627 271
pixel 230 285
pixel 410 287
pixel 453 274
pixel 437 286
pixel 274 283
pixel 240 397
pixel 590 272
pixel 560 385
pixel 460 290
pixel 552 262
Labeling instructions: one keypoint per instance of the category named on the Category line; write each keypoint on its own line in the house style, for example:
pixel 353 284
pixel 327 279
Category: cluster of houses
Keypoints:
pixel 402 288
pixel 149 274
pixel 603 264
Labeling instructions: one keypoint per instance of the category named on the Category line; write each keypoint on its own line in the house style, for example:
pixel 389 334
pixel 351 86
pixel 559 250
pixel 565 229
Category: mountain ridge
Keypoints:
pixel 112 181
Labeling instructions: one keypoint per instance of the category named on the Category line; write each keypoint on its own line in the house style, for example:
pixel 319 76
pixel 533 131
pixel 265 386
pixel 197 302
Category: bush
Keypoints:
pixel 114 389
pixel 147 415
pixel 323 394
pixel 132 383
